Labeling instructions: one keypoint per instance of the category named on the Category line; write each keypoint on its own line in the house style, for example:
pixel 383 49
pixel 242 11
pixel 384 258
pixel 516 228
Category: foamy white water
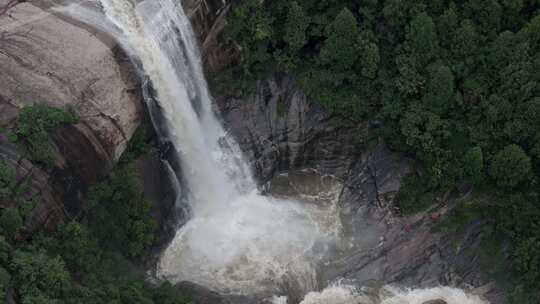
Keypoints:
pixel 345 294
pixel 237 240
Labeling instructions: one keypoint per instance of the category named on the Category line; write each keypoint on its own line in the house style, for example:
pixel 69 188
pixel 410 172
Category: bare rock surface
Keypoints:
pixel 279 129
pixel 46 59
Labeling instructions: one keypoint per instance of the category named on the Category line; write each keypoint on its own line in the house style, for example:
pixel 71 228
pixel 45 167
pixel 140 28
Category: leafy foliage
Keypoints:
pixel 35 122
pixel 510 166
pixel 137 146
pixel 10 221
pixel 39 277
pixel 340 48
pixel 295 31
pixel 121 213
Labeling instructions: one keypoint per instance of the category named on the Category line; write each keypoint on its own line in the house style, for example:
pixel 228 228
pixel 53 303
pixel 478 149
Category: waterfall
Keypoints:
pixel 236 241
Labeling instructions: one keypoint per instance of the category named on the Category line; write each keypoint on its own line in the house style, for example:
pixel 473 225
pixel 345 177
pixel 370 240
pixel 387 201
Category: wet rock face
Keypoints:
pixel 279 129
pixel 208 18
pixel 402 250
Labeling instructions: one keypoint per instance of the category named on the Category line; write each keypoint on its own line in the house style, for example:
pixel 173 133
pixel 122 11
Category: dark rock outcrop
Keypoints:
pixel 279 129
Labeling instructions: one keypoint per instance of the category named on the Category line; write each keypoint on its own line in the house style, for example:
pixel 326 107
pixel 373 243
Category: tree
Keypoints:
pixel 7 181
pixel 11 221
pixel 36 275
pixel 369 60
pixel 78 248
pixel 5 278
pixel 510 166
pixel 394 11
pixel 486 13
pixel 121 214
pixel 4 251
pixel 422 38
pixel 295 28
pixel 525 121
pixel 473 165
pixel 528 260
pixel 340 47
pixel 441 94
pixel 447 24
pixel 466 41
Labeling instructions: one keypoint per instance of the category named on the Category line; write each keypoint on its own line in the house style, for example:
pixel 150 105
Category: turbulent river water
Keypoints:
pixel 236 241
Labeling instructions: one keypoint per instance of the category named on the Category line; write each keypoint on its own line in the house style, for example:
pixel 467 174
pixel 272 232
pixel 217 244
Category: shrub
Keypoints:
pixel 528 261
pixel 5 279
pixel 4 251
pixel 473 163
pixel 167 294
pixel 120 215
pixel 295 28
pixel 137 146
pixel 34 124
pixel 7 180
pixel 341 45
pixel 11 221
pixel 38 276
pixel 78 248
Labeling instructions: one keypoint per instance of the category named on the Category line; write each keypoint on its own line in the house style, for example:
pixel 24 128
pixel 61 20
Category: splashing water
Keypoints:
pixel 345 294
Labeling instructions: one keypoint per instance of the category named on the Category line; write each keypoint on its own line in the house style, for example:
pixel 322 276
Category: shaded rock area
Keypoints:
pixel 160 190
pixel 278 129
pixel 208 18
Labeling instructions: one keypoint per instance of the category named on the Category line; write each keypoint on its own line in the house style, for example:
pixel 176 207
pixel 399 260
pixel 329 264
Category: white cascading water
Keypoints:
pixel 344 294
pixel 237 241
